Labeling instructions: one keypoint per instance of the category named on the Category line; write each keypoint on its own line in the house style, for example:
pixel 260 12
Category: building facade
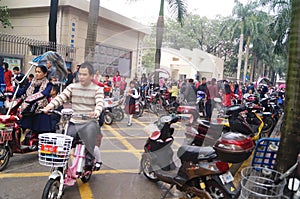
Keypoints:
pixel 118 38
pixel 185 63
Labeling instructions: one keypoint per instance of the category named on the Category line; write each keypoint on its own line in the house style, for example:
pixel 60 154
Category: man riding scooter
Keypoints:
pixel 84 95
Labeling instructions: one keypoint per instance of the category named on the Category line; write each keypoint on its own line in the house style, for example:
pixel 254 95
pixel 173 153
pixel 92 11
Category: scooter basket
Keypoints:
pixel 259 183
pixel 54 149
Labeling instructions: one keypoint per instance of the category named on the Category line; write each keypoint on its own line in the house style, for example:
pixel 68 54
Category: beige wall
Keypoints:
pixel 190 62
pixel 113 29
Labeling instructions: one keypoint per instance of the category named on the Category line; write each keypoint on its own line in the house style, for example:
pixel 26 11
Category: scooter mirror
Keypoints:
pixel 165 118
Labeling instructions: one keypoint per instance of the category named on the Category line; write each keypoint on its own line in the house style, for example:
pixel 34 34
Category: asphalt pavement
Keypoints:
pixel 118 178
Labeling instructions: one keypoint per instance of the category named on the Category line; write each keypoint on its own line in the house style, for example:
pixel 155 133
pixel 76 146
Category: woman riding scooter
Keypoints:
pixel 36 97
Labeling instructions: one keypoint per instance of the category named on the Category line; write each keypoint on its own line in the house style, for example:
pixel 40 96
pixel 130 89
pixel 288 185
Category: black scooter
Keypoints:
pixel 200 174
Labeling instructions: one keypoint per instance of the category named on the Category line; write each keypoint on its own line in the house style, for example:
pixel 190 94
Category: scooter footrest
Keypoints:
pixel 69 182
pixel 180 180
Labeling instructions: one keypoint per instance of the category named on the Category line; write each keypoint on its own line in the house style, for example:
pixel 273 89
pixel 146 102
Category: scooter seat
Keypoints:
pixel 188 153
pixel 234 109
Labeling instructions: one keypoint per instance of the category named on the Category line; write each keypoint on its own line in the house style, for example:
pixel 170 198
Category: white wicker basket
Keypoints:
pixel 54 149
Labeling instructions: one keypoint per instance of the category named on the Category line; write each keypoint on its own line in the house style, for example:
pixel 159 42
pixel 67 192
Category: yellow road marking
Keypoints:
pixel 84 190
pixel 138 128
pixel 23 175
pixel 121 151
pixel 133 137
pixel 46 174
pixel 129 146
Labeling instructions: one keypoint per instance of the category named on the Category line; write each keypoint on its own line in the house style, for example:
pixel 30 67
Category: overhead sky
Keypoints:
pixel 146 11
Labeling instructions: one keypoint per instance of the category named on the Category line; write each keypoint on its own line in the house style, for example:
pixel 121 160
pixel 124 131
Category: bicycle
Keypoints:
pixel 55 151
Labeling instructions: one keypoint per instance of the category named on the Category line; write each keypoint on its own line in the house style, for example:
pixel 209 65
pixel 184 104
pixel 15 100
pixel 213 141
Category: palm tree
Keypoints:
pixel 290 136
pixel 279 28
pixel 91 37
pixel 177 7
pixel 244 25
pixel 52 23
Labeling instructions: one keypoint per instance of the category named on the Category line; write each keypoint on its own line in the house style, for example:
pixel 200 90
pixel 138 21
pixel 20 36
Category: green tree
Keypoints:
pixel 290 136
pixel 280 25
pixel 4 17
pixel 244 25
pixel 91 37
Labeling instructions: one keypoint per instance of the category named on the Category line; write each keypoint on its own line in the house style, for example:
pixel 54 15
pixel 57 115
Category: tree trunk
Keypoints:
pixel 240 57
pixel 253 67
pixel 159 38
pixel 258 70
pixel 246 59
pixel 290 136
pixel 52 24
pixel 91 37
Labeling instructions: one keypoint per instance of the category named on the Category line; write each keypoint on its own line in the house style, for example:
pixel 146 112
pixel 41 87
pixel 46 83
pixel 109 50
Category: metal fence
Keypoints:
pixel 23 46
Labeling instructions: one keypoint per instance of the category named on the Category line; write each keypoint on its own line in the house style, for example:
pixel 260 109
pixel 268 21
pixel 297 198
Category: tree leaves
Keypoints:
pixel 4 17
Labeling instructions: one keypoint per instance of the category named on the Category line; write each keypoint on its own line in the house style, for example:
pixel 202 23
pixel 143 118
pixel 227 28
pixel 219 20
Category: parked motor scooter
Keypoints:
pixel 205 132
pixel 113 110
pixel 204 171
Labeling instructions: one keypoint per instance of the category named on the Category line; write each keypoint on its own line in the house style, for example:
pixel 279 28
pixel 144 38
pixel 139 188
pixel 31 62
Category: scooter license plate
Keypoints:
pixel 226 177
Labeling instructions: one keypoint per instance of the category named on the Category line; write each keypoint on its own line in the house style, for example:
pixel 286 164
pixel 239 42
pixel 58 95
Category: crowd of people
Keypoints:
pixel 229 92
pixel 84 90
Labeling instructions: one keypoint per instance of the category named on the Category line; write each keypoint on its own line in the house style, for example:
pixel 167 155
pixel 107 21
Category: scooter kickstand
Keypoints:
pixel 164 195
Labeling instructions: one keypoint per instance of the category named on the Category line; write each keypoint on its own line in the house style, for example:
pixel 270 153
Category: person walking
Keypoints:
pixel 7 76
pixel 203 86
pixel 190 93
pixel 123 86
pixel 174 92
pixel 131 96
pixel 70 77
pixel 19 76
pixel 117 80
pixel 227 96
pixel 107 87
pixel 75 74
pixel 211 93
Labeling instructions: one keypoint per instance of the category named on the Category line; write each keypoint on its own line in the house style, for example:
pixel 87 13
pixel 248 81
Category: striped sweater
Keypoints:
pixel 84 99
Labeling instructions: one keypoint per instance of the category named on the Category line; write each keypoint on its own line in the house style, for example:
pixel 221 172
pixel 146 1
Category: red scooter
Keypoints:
pixel 11 132
pixel 10 137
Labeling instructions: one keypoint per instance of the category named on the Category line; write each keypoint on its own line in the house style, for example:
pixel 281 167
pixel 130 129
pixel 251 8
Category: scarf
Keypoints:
pixel 42 83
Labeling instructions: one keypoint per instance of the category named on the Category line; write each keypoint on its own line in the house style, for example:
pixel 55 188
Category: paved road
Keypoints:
pixel 118 178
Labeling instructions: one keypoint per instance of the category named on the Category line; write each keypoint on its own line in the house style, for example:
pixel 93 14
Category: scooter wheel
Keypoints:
pixel 86 178
pixel 269 124
pixel 140 112
pixel 51 189
pixel 4 157
pixel 216 191
pixel 108 118
pixel 118 114
pixel 146 168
